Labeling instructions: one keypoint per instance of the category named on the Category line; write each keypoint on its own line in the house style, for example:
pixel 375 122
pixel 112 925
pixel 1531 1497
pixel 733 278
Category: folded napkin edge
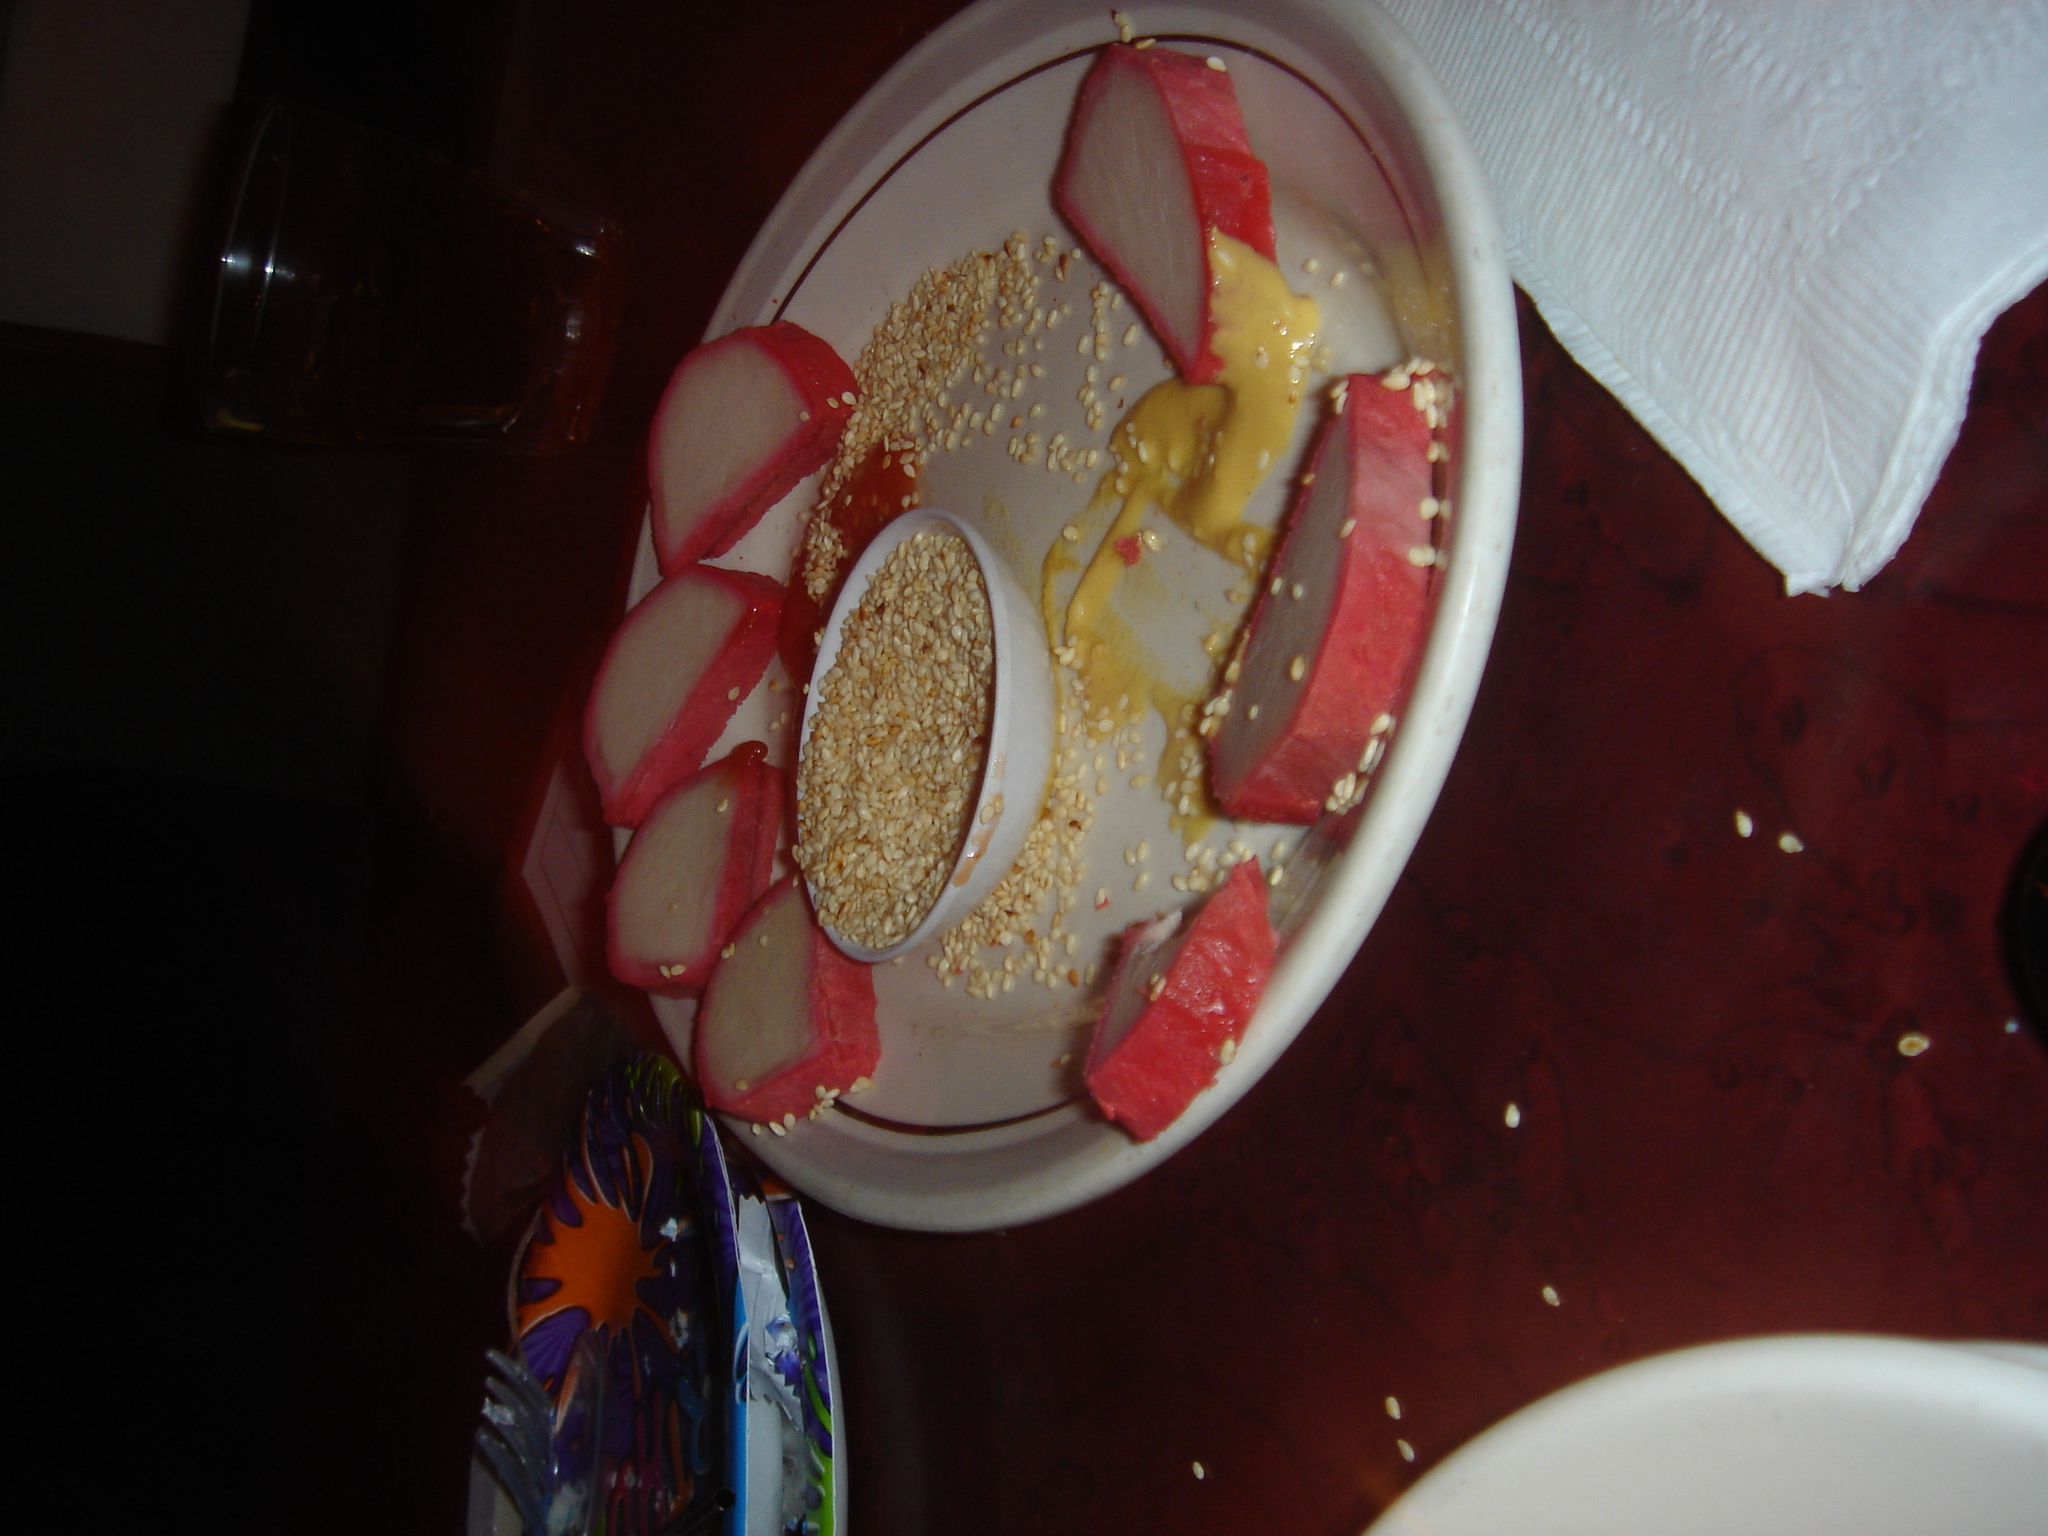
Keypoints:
pixel 1927 435
pixel 1806 569
pixel 1934 416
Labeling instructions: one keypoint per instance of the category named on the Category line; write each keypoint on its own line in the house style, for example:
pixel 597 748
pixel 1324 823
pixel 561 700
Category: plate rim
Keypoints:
pixel 1893 1364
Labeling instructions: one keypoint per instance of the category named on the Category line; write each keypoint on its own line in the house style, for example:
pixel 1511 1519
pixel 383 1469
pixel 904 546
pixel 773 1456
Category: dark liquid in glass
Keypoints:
pixel 373 293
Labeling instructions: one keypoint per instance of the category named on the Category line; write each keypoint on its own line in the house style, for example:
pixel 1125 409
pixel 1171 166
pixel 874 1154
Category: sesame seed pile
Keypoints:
pixel 927 345
pixel 952 363
pixel 888 775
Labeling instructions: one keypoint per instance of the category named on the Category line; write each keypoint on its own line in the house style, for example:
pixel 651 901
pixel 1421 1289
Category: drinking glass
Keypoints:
pixel 370 291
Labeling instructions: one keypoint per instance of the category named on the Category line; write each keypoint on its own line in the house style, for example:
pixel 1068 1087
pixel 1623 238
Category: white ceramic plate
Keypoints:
pixel 1805 1435
pixel 977 1118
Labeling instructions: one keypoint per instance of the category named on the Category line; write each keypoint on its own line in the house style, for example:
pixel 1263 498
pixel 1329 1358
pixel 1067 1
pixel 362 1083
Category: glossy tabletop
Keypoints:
pixel 1607 1078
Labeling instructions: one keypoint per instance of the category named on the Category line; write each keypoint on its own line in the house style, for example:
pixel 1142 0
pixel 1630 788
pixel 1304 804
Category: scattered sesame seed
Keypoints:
pixel 1913 1043
pixel 1049 866
pixel 1344 528
pixel 1199 1473
pixel 1311 265
pixel 1407 1451
pixel 1790 842
pixel 1393 1408
pixel 1743 825
pixel 1297 669
pixel 1217 64
pixel 1550 1296
pixel 1513 1116
pixel 1226 1053
pixel 1422 554
pixel 731 694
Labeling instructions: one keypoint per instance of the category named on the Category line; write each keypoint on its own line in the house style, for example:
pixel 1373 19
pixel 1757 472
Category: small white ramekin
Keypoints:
pixel 1018 764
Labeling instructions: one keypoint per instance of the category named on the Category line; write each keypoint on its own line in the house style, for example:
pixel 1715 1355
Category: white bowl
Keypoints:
pixel 977 1117
pixel 1795 1436
pixel 1020 734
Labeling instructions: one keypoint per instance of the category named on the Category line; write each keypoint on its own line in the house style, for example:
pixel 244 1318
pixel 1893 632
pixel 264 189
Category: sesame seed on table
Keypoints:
pixel 1715 1131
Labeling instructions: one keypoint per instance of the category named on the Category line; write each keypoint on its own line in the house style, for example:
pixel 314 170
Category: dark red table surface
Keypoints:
pixel 1718 1133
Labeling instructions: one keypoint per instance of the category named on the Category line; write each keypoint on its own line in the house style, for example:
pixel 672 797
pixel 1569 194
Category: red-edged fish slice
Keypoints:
pixel 788 1021
pixel 678 666
pixel 699 860
pixel 1181 997
pixel 1157 160
pixel 1358 549
pixel 745 417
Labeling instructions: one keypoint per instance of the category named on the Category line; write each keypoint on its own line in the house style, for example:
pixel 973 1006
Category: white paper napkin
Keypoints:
pixel 1775 229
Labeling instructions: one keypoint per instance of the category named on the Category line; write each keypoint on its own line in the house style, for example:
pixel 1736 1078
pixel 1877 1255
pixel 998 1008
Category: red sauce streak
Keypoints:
pixel 876 494
pixel 1128 548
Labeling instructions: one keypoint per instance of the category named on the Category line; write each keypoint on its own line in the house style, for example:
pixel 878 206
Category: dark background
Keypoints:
pixel 277 717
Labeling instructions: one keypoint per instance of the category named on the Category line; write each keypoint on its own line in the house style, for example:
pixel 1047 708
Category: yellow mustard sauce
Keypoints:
pixel 1194 452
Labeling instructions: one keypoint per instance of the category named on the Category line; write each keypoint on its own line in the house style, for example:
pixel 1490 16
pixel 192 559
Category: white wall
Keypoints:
pixel 108 111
